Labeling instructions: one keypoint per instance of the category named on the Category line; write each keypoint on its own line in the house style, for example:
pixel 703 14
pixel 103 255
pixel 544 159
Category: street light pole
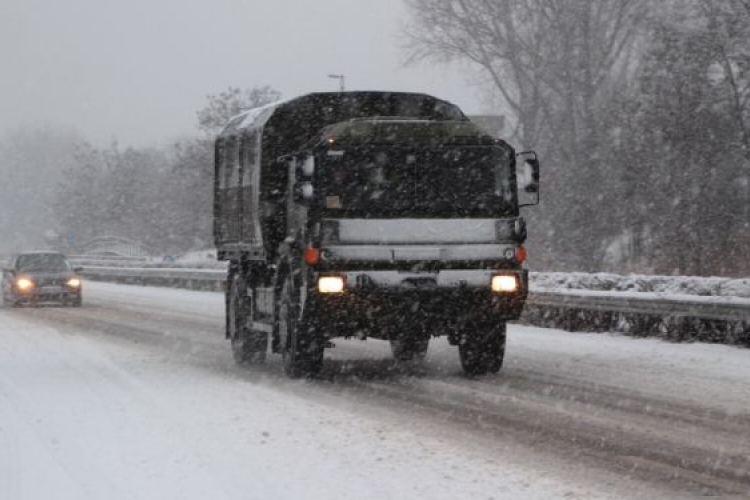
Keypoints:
pixel 340 78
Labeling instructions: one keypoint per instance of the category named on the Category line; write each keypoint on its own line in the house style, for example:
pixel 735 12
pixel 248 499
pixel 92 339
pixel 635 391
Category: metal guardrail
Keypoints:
pixel 194 279
pixel 721 320
pixel 106 258
pixel 710 308
pixel 677 318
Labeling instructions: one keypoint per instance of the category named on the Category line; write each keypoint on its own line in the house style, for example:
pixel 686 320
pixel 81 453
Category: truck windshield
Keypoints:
pixel 472 181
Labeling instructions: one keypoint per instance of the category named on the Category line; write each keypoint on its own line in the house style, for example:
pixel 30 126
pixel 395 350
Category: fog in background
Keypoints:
pixel 135 73
pixel 138 70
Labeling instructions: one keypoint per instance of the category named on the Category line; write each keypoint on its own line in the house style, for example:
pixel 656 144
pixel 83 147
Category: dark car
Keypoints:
pixel 39 277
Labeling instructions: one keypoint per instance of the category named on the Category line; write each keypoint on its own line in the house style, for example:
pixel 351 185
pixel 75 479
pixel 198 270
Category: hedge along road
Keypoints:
pixel 136 394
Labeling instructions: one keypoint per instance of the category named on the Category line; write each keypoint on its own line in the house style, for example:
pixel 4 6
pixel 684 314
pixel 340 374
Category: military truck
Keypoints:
pixel 379 215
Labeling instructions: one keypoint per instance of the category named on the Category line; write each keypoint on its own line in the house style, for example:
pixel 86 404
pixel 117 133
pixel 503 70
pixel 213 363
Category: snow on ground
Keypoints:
pixel 667 285
pixel 714 376
pixel 81 418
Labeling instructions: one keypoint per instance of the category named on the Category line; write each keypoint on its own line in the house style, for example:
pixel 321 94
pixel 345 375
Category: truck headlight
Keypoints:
pixel 74 283
pixel 24 284
pixel 331 284
pixel 504 284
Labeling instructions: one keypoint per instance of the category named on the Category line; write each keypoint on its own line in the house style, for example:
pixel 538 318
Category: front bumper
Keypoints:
pixel 381 310
pixel 47 294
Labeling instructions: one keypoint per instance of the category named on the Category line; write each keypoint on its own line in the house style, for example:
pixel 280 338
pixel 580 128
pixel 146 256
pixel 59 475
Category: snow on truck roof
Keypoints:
pixel 252 118
pixel 404 105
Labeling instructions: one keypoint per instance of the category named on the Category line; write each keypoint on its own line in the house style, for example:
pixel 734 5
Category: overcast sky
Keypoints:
pixel 138 70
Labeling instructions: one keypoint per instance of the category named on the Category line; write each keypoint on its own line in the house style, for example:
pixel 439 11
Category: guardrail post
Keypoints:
pixel 570 320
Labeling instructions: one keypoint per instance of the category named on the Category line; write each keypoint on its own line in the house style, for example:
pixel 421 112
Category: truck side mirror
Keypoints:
pixel 533 186
pixel 528 174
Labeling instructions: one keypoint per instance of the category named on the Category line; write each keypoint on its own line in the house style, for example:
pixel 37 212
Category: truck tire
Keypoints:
pixel 482 350
pixel 247 346
pixel 303 354
pixel 406 349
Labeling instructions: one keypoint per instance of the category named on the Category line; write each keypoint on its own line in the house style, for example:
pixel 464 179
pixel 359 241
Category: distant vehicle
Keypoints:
pixel 370 214
pixel 40 277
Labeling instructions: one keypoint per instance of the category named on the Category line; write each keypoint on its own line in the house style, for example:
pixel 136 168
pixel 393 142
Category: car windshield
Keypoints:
pixel 443 182
pixel 42 262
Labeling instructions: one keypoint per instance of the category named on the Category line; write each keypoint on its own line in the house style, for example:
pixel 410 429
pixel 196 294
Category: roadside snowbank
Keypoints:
pixel 669 285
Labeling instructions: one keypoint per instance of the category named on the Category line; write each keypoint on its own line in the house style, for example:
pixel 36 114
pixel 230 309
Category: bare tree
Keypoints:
pixel 475 31
pixel 728 39
pixel 686 138
pixel 553 63
pixel 536 52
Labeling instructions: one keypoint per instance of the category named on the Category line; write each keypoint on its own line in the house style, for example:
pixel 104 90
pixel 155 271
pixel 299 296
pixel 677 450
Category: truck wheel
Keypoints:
pixel 405 349
pixel 303 355
pixel 247 346
pixel 483 349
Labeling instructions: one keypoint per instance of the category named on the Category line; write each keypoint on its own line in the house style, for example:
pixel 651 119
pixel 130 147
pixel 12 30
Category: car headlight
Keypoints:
pixel 331 284
pixel 73 283
pixel 24 284
pixel 504 284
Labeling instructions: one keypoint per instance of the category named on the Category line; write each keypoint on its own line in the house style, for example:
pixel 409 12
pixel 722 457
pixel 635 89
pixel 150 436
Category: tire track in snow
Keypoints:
pixel 710 464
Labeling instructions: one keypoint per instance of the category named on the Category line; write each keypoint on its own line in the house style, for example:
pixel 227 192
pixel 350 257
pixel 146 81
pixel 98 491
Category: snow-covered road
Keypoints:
pixel 135 396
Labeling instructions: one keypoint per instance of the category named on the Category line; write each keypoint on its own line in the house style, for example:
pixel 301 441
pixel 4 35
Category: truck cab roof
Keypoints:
pixel 326 108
